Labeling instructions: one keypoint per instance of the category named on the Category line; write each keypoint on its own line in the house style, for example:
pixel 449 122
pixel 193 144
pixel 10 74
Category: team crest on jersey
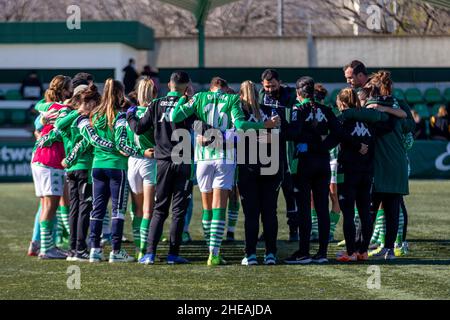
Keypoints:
pixel 121 122
pixel 361 130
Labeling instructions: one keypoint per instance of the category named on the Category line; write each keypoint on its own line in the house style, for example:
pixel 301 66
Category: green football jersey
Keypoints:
pixel 218 110
pixel 144 141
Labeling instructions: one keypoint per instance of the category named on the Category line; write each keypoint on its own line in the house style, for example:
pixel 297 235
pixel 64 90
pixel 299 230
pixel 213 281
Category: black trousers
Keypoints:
pixel 356 188
pixel 259 198
pixel 391 205
pixel 80 193
pixel 289 196
pixel 173 186
pixel 314 175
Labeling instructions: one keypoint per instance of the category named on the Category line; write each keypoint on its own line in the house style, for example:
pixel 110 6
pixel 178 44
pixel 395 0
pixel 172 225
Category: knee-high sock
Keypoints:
pixel 144 229
pixel 334 219
pixel 46 236
pixel 136 226
pixel 64 214
pixel 217 230
pixel 233 214
pixel 59 225
pixel 206 223
pixel 380 228
pixel 37 227
pixel 401 223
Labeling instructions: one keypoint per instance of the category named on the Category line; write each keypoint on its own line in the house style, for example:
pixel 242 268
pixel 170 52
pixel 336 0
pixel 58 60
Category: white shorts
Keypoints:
pixel 333 167
pixel 141 172
pixel 48 181
pixel 214 174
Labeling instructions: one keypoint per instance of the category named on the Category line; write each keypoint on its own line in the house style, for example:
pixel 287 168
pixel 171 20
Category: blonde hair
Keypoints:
pixel 112 99
pixel 249 101
pixel 54 93
pixel 348 99
pixel 442 112
pixel 146 92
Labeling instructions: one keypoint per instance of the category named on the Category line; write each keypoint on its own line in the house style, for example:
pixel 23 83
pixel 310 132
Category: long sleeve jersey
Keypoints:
pixel 309 123
pixel 157 119
pixel 360 125
pixel 218 110
pixel 108 142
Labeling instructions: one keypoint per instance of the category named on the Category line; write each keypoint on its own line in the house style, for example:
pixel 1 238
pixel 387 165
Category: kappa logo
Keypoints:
pixel 361 130
pixel 264 117
pixel 319 116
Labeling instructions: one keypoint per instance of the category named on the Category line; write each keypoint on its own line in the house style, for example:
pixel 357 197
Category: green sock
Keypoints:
pixel 145 226
pixel 315 225
pixel 233 213
pixel 46 236
pixel 217 230
pixel 401 224
pixel 136 226
pixel 357 220
pixel 206 223
pixel 59 225
pixel 376 229
pixel 334 219
pixel 382 225
pixel 64 212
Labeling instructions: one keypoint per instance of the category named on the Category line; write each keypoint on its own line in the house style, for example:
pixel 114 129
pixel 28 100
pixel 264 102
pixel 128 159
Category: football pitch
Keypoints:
pixel 423 274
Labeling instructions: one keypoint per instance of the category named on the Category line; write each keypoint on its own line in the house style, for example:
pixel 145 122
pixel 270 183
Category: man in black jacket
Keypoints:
pixel 282 99
pixel 174 183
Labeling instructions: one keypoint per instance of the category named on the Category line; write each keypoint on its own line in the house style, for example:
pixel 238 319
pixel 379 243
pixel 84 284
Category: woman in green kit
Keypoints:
pixel 142 171
pixel 105 130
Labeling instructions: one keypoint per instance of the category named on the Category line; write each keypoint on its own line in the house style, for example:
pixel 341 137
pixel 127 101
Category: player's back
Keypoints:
pixel 216 108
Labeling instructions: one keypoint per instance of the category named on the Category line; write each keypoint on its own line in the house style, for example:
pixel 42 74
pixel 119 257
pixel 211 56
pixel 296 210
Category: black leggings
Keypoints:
pixel 291 207
pixel 391 205
pixel 356 188
pixel 259 197
pixel 405 218
pixel 313 175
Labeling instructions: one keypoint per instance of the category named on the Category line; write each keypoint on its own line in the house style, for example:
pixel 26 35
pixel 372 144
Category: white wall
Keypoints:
pixel 67 56
pixel 375 51
pixel 384 51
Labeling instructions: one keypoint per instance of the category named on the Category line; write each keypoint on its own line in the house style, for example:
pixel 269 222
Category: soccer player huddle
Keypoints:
pixel 93 147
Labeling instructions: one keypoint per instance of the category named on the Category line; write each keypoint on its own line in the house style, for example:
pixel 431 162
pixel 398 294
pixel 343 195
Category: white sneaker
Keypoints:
pixel 249 261
pixel 96 255
pixel 120 256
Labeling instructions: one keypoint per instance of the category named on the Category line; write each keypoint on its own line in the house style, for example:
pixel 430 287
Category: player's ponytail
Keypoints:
pixel 146 92
pixel 382 82
pixel 112 100
pixel 91 95
pixel 347 99
pixel 248 94
pixel 55 91
pixel 305 89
